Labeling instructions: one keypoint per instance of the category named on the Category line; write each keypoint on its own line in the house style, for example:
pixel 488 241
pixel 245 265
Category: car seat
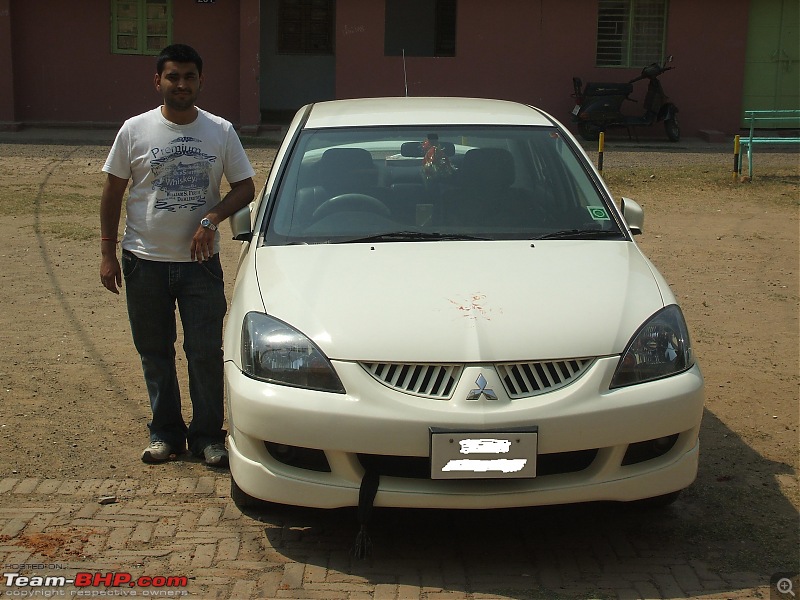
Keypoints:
pixel 485 194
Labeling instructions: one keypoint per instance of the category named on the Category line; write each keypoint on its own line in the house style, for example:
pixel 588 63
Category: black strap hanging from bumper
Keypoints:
pixel 366 498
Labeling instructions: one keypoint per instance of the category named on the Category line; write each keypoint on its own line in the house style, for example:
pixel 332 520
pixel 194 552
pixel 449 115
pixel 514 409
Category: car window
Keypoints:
pixel 394 183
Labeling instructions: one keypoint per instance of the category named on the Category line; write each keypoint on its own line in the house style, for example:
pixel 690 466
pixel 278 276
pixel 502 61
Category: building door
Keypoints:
pixel 297 55
pixel 772 63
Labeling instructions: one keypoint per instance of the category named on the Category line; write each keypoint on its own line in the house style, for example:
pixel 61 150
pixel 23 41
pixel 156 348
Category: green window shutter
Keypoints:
pixel 140 26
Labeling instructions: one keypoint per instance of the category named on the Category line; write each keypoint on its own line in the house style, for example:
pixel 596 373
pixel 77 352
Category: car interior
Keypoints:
pixel 505 184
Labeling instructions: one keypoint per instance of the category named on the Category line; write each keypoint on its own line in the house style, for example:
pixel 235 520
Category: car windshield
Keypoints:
pixel 375 184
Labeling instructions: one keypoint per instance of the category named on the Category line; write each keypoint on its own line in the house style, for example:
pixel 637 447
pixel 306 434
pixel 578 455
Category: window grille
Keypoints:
pixel 630 33
pixel 306 27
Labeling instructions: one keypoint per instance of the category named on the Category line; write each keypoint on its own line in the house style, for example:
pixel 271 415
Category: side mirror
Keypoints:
pixel 241 226
pixel 633 215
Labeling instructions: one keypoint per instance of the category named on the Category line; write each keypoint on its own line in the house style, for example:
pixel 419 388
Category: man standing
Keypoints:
pixel 174 157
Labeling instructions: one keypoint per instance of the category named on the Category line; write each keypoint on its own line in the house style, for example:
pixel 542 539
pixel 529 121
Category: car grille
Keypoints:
pixel 523 380
pixel 429 381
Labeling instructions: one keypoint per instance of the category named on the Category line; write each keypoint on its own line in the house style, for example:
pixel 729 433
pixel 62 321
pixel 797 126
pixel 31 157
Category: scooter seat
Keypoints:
pixel 608 89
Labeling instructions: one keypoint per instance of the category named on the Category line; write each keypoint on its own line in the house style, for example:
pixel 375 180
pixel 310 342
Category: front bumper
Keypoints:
pixel 582 419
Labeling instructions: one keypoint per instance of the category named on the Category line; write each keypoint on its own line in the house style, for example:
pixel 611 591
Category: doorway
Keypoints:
pixel 772 62
pixel 297 55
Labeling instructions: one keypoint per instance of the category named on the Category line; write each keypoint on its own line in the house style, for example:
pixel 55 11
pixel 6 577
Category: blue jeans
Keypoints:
pixel 152 290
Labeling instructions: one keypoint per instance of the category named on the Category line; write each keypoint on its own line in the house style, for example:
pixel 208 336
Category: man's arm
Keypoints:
pixel 110 210
pixel 241 194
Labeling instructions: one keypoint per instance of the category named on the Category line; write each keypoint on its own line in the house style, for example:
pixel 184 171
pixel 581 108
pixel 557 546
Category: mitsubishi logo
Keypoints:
pixel 481 390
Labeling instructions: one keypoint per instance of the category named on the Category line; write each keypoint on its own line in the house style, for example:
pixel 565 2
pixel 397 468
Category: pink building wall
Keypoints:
pixel 529 52
pixel 57 67
pixel 62 69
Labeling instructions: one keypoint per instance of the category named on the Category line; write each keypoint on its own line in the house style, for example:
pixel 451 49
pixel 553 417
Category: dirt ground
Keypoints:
pixel 73 398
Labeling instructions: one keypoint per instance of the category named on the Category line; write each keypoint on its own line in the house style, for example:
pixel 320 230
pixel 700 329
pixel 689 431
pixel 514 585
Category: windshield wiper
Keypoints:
pixel 412 236
pixel 581 234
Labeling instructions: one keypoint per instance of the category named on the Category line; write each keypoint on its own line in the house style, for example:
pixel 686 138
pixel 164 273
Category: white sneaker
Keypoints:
pixel 157 452
pixel 216 455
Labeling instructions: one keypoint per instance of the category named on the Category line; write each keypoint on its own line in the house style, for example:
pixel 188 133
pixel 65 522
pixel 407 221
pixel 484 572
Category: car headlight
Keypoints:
pixel 659 349
pixel 275 352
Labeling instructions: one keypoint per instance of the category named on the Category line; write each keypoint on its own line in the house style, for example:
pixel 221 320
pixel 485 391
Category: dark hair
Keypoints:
pixel 179 53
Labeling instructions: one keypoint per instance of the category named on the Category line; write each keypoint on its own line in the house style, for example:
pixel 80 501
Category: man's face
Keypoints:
pixel 179 84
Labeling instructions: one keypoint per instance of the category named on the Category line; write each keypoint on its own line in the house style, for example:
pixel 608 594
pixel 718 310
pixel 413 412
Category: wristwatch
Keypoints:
pixel 206 222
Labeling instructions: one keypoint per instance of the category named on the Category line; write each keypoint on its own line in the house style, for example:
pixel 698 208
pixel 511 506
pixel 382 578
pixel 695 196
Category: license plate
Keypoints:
pixel 576 110
pixel 506 454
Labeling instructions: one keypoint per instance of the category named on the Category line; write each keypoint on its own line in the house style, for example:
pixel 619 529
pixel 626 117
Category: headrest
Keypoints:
pixel 488 167
pixel 346 169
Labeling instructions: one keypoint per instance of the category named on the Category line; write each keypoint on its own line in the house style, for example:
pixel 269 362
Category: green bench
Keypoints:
pixel 761 119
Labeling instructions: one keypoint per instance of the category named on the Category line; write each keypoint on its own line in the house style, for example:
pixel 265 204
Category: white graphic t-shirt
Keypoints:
pixel 175 173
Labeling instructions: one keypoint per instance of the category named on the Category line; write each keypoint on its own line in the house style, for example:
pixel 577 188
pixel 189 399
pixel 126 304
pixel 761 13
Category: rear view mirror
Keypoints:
pixel 412 150
pixel 416 150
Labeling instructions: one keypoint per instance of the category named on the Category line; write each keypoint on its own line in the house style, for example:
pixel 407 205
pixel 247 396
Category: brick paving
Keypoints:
pixel 190 527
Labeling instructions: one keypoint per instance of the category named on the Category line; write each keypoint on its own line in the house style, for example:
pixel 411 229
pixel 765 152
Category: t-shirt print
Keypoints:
pixel 182 174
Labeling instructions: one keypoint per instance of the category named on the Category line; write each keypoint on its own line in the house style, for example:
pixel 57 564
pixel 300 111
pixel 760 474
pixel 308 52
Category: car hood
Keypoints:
pixel 461 301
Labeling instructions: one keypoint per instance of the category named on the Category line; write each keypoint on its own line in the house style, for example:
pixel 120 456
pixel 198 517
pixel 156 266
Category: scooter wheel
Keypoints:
pixel 589 132
pixel 673 129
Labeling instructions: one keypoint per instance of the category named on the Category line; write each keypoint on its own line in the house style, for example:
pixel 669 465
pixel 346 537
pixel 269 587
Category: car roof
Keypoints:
pixel 423 111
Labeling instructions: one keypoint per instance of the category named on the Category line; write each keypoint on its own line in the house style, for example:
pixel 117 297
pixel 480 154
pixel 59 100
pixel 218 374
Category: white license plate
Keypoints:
pixel 509 454
pixel 576 110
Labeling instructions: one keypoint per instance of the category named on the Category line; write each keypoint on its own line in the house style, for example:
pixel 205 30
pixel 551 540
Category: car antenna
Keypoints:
pixel 405 76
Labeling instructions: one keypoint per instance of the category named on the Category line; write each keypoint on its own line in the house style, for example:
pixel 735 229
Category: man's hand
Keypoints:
pixel 239 196
pixel 111 273
pixel 203 244
pixel 110 208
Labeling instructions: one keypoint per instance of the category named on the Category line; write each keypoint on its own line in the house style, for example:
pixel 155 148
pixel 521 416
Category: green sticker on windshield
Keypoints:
pixel 598 213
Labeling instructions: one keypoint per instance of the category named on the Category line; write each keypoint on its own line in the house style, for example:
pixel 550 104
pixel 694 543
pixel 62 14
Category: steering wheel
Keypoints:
pixel 350 202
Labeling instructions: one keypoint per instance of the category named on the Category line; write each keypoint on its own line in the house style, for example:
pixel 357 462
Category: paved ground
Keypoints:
pixel 190 527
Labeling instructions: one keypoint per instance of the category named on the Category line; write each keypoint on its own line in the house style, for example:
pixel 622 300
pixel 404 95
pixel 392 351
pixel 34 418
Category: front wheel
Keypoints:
pixel 673 129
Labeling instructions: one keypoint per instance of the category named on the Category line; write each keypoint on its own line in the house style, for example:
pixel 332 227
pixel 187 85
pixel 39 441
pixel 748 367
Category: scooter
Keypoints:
pixel 599 105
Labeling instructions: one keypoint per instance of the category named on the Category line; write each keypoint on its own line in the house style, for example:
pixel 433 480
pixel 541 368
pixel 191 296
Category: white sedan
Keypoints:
pixel 440 296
